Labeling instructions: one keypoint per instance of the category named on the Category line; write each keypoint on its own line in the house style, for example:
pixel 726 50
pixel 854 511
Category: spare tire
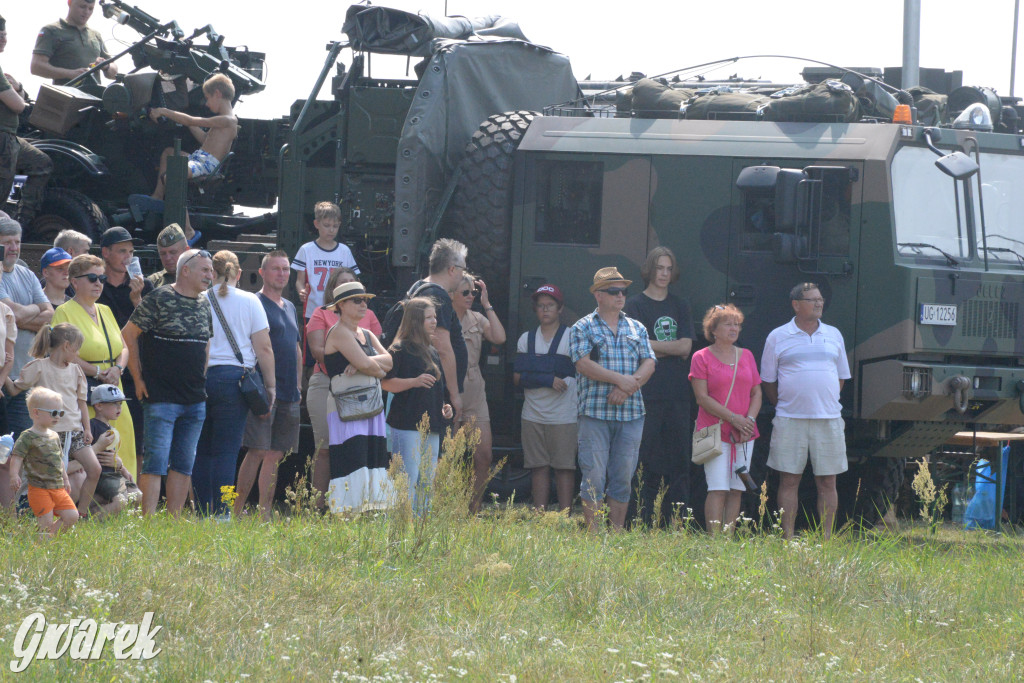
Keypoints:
pixel 481 211
pixel 64 209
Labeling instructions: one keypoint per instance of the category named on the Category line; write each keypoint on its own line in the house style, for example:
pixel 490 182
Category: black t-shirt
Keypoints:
pixel 666 320
pixel 175 331
pixel 119 299
pixel 447 319
pixel 98 427
pixel 284 333
pixel 407 407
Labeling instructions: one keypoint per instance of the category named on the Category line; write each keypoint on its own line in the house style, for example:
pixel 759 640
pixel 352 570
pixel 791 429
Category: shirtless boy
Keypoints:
pixel 216 134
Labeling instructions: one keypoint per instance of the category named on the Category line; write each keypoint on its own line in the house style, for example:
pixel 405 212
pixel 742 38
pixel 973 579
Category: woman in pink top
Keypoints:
pixel 319 392
pixel 711 372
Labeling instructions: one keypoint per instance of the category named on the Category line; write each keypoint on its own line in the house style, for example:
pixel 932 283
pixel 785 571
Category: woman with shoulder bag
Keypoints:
pixel 103 356
pixel 727 387
pixel 241 339
pixel 358 450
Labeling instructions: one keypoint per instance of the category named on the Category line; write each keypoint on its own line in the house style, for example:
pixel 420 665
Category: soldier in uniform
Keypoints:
pixel 17 155
pixel 68 47
pixel 170 244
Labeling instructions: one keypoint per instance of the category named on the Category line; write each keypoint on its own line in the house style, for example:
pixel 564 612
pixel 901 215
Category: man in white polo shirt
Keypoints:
pixel 803 368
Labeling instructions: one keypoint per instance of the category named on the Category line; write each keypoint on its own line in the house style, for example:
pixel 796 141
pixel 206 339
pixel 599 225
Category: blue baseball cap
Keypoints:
pixel 54 257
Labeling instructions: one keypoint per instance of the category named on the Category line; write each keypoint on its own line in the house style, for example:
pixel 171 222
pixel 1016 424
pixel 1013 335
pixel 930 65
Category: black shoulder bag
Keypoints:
pixel 251 384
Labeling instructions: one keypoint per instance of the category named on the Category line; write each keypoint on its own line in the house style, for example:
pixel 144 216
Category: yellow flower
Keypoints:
pixel 228 495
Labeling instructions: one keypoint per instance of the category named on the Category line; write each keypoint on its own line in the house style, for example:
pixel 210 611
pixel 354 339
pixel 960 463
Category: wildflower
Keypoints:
pixel 228 495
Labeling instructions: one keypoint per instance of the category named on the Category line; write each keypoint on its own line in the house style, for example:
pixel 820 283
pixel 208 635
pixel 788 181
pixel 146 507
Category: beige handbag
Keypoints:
pixel 707 442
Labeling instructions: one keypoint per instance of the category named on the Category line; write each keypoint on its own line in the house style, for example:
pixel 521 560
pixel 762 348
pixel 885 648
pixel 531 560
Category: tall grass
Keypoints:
pixel 519 595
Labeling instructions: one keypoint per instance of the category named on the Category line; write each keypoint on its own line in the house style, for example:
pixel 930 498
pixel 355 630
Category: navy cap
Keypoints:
pixel 54 257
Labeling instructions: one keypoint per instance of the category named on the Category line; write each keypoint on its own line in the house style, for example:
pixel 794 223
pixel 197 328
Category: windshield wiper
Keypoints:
pixel 950 259
pixel 1006 250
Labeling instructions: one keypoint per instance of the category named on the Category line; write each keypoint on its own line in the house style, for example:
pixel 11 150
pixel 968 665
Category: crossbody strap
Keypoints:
pixel 735 369
pixel 224 323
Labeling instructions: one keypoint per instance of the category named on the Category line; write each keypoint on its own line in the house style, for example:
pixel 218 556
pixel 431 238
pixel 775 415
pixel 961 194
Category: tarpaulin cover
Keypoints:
pixel 464 83
pixel 394 32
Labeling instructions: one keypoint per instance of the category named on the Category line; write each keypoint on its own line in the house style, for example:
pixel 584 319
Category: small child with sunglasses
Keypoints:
pixel 56 350
pixel 39 449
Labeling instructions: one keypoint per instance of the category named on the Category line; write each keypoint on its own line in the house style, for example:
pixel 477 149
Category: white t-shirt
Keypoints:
pixel 245 315
pixel 808 368
pixel 544 405
pixel 318 264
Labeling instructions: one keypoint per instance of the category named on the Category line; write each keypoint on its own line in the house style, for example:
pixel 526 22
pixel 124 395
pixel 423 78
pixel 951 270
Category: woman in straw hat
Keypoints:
pixel 358 451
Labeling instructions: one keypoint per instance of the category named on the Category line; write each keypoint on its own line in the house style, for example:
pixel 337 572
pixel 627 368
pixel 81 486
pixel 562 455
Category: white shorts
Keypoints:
pixel 201 162
pixel 718 473
pixel 794 439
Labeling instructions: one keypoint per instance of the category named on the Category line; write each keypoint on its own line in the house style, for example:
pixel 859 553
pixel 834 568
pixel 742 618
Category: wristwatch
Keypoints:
pixel 488 309
pixel 119 368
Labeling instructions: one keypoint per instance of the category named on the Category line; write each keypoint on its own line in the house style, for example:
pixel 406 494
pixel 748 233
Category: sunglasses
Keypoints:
pixel 201 252
pixel 93 277
pixel 360 299
pixel 467 292
pixel 615 291
pixel 51 413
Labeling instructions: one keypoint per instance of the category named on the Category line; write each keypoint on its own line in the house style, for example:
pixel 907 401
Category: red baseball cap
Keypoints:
pixel 549 290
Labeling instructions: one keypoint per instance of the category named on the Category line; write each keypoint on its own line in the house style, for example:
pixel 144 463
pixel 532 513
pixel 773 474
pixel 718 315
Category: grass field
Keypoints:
pixel 516 596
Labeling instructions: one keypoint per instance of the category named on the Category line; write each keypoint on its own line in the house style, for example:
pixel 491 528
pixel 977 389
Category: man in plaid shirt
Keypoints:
pixel 613 357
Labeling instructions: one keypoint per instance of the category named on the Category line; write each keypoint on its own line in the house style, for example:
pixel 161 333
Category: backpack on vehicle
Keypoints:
pixel 393 318
pixel 830 101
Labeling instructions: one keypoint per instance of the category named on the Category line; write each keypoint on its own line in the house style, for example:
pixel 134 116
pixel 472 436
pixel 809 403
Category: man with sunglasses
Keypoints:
pixel 803 368
pixel 614 358
pixel 175 324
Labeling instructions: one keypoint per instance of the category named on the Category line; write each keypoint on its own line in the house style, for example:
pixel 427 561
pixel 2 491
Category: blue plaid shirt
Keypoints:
pixel 621 351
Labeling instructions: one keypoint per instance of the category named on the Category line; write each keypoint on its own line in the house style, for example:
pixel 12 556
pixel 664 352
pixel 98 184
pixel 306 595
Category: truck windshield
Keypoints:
pixel 925 207
pixel 1002 176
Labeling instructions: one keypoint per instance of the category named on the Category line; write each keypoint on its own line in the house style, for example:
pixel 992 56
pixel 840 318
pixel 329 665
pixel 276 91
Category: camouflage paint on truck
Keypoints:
pixel 603 191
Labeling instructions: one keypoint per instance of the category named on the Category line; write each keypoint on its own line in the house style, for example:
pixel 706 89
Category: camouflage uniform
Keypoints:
pixel 18 156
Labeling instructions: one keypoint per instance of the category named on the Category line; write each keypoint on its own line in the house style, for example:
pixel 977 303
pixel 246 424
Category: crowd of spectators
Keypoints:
pixel 607 396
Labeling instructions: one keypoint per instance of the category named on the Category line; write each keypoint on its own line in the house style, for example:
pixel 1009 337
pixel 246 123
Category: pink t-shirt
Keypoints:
pixel 324 320
pixel 706 366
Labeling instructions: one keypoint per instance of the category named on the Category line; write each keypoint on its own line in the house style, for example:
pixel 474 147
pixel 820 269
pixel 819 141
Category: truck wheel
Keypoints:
pixel 481 211
pixel 67 209
pixel 869 489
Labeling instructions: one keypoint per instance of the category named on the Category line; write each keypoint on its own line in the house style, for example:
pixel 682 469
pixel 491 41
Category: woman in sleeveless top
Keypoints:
pixel 357 449
pixel 475 328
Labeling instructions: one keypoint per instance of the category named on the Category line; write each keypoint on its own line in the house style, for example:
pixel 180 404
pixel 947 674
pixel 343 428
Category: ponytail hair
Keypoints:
pixel 225 264
pixel 48 338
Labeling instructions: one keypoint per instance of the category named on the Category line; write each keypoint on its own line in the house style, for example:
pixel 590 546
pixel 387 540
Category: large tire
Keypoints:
pixel 64 209
pixel 481 212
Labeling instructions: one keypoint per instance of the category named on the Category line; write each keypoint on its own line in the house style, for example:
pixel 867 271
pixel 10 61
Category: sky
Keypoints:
pixel 649 36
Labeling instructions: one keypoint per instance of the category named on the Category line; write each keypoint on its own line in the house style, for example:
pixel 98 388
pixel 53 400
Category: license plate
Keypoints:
pixel 938 314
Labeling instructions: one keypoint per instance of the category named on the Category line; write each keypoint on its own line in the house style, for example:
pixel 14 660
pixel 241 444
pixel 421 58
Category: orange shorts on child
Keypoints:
pixel 45 501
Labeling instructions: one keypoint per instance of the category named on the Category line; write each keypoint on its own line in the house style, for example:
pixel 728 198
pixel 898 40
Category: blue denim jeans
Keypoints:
pixel 217 454
pixel 172 431
pixel 608 451
pixel 18 419
pixel 406 442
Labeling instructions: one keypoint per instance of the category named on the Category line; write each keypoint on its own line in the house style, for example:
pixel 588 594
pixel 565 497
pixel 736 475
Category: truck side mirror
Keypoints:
pixel 790 199
pixel 788 248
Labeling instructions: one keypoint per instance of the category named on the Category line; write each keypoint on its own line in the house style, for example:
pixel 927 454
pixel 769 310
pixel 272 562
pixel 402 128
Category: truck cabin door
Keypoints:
pixel 793 221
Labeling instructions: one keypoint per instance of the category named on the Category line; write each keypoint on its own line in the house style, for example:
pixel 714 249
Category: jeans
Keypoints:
pixel 217 454
pixel 18 419
pixel 172 431
pixel 607 457
pixel 406 442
